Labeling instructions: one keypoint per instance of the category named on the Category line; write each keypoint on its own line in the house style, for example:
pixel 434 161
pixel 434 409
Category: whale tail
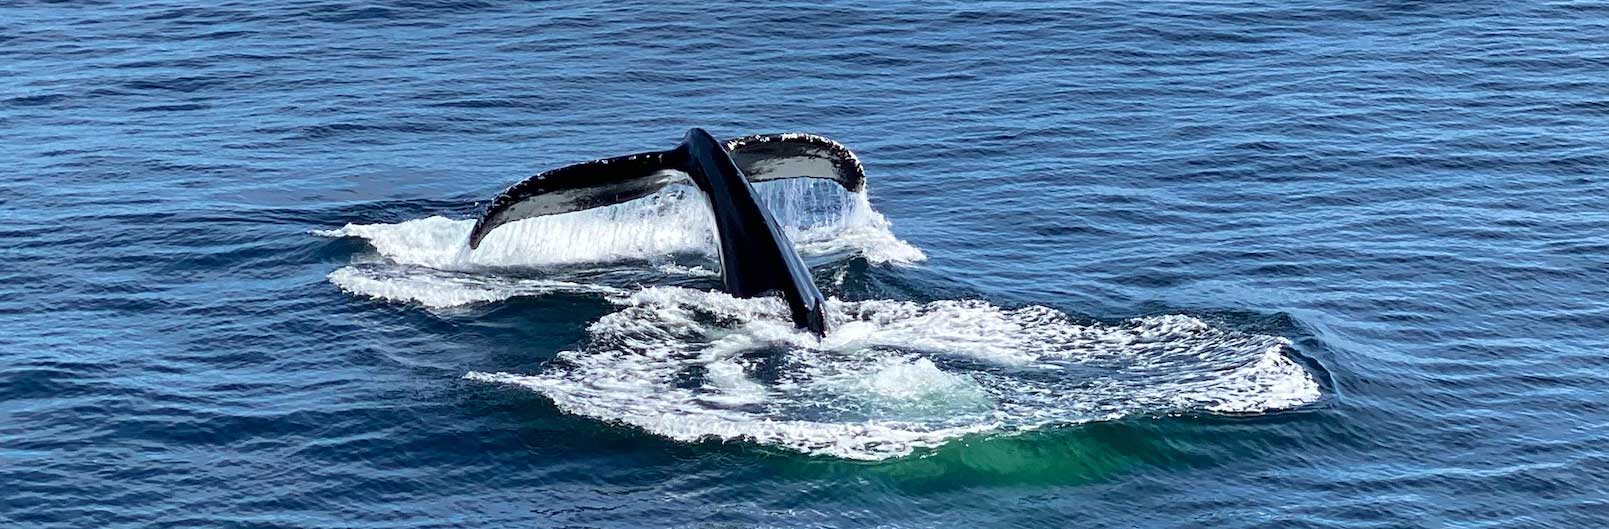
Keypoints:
pixel 756 256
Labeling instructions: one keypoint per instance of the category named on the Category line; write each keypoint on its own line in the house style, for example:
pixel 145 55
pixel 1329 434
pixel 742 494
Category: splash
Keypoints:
pixel 426 260
pixel 819 218
pixel 894 377
pixel 891 377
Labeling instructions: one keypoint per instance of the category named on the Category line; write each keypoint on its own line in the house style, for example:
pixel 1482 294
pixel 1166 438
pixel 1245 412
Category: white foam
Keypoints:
pixel 893 377
pixel 436 289
pixel 906 379
pixel 690 271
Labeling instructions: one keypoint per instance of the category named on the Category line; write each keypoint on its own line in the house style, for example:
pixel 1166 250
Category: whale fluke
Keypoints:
pixel 582 186
pixel 610 181
pixel 756 256
pixel 774 156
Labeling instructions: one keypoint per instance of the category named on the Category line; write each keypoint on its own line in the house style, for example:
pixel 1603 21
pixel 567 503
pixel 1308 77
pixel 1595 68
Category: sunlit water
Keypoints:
pixel 1254 265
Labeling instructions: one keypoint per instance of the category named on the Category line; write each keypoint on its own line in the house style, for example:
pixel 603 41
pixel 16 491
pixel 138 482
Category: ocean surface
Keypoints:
pixel 1221 264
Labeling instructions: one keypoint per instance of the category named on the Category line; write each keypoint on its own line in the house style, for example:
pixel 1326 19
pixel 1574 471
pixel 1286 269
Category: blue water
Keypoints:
pixel 1405 198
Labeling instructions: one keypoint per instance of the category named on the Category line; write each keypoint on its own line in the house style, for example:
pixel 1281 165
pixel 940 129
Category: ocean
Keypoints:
pixel 1163 264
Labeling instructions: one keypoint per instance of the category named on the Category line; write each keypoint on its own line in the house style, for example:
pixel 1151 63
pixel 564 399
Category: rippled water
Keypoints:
pixel 1234 264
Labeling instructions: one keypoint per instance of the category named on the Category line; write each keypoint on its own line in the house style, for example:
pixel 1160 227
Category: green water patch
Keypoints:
pixel 1078 455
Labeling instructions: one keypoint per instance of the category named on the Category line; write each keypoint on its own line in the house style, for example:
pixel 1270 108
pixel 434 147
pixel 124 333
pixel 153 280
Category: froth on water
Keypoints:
pixel 893 377
pixel 890 378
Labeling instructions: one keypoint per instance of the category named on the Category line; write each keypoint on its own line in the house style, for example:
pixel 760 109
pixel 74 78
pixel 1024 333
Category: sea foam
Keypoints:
pixel 889 379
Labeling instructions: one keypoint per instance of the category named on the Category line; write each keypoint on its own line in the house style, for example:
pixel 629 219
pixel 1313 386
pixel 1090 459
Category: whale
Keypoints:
pixel 756 257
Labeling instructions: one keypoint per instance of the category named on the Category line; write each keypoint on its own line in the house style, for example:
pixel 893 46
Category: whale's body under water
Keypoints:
pixel 891 377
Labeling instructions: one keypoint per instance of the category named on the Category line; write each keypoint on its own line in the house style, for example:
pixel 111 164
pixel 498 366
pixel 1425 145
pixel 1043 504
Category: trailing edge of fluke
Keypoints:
pixel 756 256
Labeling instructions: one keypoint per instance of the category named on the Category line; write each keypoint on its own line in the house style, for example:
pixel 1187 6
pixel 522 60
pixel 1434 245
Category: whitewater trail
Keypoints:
pixel 890 378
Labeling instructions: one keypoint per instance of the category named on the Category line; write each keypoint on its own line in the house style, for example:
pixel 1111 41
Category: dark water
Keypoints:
pixel 1411 193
